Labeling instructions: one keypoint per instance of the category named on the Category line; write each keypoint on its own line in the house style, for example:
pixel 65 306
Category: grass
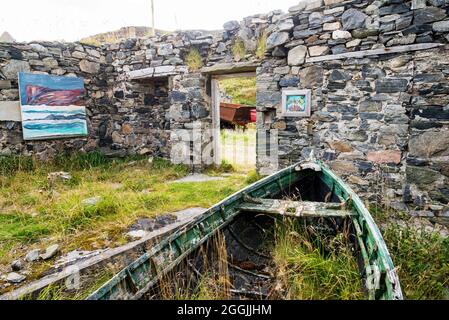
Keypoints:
pixel 314 267
pixel 239 49
pixel 194 60
pixel 422 257
pixel 242 90
pixel 262 46
pixel 35 213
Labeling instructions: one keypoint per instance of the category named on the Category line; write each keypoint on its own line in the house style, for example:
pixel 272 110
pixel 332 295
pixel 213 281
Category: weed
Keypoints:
pixel 422 259
pixel 239 49
pixel 194 60
pixel 314 268
pixel 262 45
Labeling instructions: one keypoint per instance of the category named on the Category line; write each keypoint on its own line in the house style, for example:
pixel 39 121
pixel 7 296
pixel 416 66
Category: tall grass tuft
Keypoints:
pixel 262 45
pixel 194 60
pixel 239 49
pixel 313 266
pixel 422 259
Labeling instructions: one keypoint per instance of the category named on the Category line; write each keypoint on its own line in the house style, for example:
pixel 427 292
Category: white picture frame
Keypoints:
pixel 296 103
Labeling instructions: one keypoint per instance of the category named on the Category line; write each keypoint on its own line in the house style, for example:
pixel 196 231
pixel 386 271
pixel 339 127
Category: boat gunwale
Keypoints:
pixel 234 199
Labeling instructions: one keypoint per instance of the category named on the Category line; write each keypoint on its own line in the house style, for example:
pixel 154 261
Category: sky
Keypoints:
pixel 71 20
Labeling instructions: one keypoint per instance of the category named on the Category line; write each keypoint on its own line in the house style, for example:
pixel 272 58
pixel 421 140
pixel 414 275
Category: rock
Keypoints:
pixel 343 167
pixel 318 50
pixel 394 9
pixel 297 55
pixel 340 146
pixel 286 25
pixel 331 2
pixel 418 4
pixel 430 144
pixel 13 67
pixel 391 85
pixel 165 49
pixel 422 177
pixel 313 4
pixel 39 48
pixel 364 33
pixel 353 19
pixel 32 255
pixel 276 39
pixel 14 277
pixel 331 26
pixel 231 25
pixel 353 43
pixel 341 34
pixel 428 14
pixel 91 201
pixel 311 76
pixel 315 18
pixel 197 178
pixel 289 81
pixel 61 176
pixel 50 252
pixel 17 265
pixel 358 181
pixel 409 39
pixel 387 156
pixel 441 26
pixel 137 234
pixel 89 67
pixel 299 7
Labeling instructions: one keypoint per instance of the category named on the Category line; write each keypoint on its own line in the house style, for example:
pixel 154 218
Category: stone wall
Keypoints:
pixel 56 59
pixel 380 121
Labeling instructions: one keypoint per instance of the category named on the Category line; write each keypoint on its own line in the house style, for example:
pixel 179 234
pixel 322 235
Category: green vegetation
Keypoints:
pixel 242 90
pixel 421 257
pixel 239 49
pixel 262 46
pixel 36 213
pixel 194 60
pixel 313 266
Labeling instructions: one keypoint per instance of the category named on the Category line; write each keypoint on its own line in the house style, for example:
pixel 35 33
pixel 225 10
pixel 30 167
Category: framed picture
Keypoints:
pixel 296 103
pixel 52 107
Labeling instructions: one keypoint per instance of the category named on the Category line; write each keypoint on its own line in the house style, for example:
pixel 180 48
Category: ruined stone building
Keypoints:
pixel 378 72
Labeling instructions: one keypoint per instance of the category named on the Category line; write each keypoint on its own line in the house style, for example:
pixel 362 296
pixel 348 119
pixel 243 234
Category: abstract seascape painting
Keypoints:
pixel 52 107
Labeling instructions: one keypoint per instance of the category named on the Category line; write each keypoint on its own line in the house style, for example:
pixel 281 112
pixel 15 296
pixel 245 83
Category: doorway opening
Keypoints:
pixel 235 113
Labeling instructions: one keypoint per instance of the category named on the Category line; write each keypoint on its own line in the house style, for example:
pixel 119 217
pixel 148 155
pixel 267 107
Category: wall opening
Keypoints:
pixel 234 118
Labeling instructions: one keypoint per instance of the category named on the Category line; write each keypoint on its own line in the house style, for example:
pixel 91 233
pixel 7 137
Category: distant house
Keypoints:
pixel 6 37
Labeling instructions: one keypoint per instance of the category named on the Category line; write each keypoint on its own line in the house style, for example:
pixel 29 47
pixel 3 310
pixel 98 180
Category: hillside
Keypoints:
pixel 119 35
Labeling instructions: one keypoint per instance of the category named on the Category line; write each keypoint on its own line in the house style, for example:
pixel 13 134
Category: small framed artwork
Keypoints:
pixel 296 103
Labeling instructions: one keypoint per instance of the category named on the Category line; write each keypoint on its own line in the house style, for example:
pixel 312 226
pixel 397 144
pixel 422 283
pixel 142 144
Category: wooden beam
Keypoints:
pixel 296 209
pixel 375 52
pixel 227 68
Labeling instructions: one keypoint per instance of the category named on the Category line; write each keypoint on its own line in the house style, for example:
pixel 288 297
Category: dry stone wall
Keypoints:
pixel 381 121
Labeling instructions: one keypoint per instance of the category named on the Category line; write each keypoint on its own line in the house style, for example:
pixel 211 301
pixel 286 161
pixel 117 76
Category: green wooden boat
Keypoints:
pixel 323 196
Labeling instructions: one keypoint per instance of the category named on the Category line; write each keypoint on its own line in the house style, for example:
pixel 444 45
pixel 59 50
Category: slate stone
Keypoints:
pixel 231 25
pixel 428 14
pixel 353 19
pixel 276 39
pixel 391 85
pixel 289 81
pixel 394 9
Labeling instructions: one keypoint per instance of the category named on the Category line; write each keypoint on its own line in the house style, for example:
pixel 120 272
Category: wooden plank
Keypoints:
pixel 375 52
pixel 224 68
pixel 10 111
pixel 296 209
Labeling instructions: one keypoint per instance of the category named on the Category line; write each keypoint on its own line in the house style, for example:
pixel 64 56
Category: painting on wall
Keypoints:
pixel 52 107
pixel 296 103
